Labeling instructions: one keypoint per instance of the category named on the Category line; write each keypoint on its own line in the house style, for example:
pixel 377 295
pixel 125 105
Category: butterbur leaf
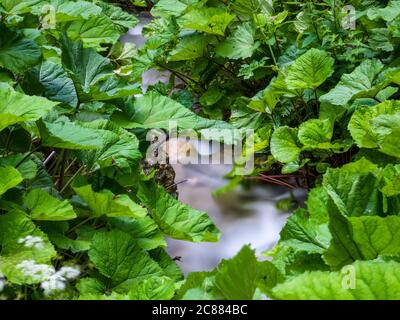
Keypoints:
pixel 156 111
pixel 361 238
pixel 144 230
pixel 209 20
pixel 189 47
pixel 10 177
pixel 310 70
pixel 17 107
pixel 118 257
pixel 285 145
pixel 390 180
pixel 377 127
pixel 43 206
pixel 153 288
pixel 362 280
pixel 239 45
pixel 53 82
pixel 316 133
pixel 233 279
pixel 389 13
pixel 359 82
pixel 166 8
pixel 175 219
pixel 93 31
pixel 17 53
pixel 353 188
pixel 106 203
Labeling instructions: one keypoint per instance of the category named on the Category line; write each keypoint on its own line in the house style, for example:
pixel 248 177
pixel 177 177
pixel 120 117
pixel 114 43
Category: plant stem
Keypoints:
pixel 71 179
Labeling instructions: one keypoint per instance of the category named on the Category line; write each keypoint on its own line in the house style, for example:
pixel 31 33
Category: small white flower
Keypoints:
pixel 38 272
pixel 32 242
pixel 69 273
pixel 54 283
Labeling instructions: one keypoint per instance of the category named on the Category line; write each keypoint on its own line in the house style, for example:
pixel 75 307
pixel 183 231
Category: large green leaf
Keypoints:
pixel 361 238
pixel 43 206
pixel 377 127
pixel 310 70
pixel 316 133
pixel 239 45
pixel 156 111
pixel 17 53
pixel 70 135
pixel 359 83
pixel 17 107
pixel 118 257
pixel 9 178
pixel 93 74
pixel 51 81
pixel 14 226
pixel 144 230
pixel 372 281
pixel 209 20
pixel 189 47
pixel 121 148
pixel 107 203
pixel 388 13
pixel 233 279
pixel 94 31
pixel 175 219
pixel 285 145
pixel 354 188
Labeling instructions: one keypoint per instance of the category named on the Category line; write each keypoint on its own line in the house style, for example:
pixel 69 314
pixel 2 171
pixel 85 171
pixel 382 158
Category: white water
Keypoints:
pixel 243 216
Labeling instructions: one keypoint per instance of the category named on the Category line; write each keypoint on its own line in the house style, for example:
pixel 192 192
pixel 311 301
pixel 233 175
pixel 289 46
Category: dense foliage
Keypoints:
pixel 82 218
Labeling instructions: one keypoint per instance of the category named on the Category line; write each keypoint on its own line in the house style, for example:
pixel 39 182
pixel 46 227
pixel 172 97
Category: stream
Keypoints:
pixel 244 216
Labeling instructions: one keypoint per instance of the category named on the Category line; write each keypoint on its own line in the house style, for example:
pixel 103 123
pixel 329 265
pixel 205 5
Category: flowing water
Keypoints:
pixel 243 216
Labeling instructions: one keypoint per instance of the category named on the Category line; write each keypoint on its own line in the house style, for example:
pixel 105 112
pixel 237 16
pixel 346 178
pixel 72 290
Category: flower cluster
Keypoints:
pixel 51 280
pixel 32 242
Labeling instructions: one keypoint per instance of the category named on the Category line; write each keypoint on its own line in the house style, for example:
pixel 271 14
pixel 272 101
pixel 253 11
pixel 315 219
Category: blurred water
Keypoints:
pixel 243 216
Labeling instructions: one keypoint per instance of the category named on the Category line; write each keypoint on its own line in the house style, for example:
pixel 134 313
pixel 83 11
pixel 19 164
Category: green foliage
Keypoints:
pixel 322 101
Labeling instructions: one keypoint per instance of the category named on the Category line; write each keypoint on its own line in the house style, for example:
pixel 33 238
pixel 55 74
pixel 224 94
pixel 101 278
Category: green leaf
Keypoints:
pixel 388 13
pixel 236 278
pixel 390 180
pixel 43 206
pixel 209 20
pixel 316 133
pixel 233 279
pixel 117 256
pixel 175 219
pixel 9 178
pixel 285 145
pixel 14 226
pixel 189 47
pixel 144 230
pixel 156 111
pixel 353 188
pixel 361 238
pixel 153 288
pixel 303 234
pixel 70 135
pixel 17 53
pixel 107 203
pixel 51 81
pixel 167 8
pixel 377 127
pixel 93 32
pixel 358 83
pixel 120 147
pixel 372 281
pixel 310 70
pixel 239 45
pixel 17 107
